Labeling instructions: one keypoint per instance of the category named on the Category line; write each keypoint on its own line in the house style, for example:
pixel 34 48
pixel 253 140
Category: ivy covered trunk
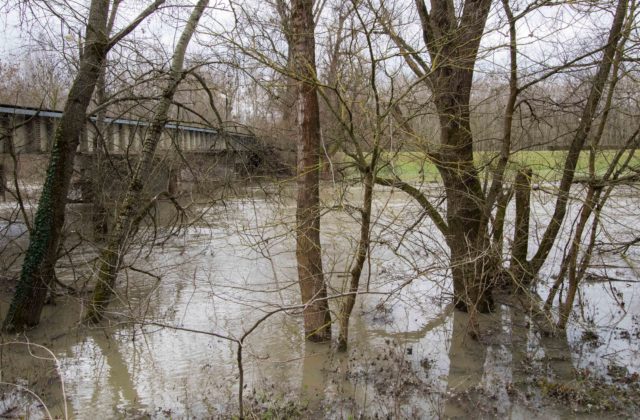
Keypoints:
pixel 37 273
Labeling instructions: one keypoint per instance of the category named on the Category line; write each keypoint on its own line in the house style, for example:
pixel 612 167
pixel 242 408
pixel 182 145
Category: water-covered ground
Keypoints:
pixel 169 349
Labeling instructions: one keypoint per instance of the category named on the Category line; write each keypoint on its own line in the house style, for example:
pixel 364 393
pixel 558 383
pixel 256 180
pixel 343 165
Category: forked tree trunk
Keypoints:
pixel 453 44
pixel 317 319
pixel 128 218
pixel 38 267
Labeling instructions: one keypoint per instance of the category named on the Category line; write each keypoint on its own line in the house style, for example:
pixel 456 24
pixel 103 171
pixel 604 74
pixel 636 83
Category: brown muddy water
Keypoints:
pixel 410 355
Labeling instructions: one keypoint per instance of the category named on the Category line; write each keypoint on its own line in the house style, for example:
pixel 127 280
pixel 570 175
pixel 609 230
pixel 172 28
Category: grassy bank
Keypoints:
pixel 546 165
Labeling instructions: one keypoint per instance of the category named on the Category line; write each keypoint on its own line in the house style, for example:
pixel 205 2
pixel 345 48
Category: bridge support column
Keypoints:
pixel 136 140
pixel 84 140
pixel 50 129
pixel 140 134
pixel 91 138
pixel 115 139
pixel 122 140
pixel 6 133
pixel 166 138
pixel 43 135
pixel 127 139
pixel 22 133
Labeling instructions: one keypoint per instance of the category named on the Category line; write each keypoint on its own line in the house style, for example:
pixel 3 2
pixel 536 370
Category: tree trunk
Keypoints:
pixel 317 319
pixel 519 264
pixel 498 225
pixel 467 235
pixel 358 264
pixel 471 263
pixel 570 261
pixel 129 218
pixel 594 200
pixel 453 44
pixel 289 95
pixel 99 213
pixel 38 268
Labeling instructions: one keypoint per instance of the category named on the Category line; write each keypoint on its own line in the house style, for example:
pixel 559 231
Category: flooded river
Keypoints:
pixel 168 349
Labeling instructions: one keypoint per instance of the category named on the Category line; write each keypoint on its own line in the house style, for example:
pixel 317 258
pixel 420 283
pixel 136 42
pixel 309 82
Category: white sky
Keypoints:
pixel 545 37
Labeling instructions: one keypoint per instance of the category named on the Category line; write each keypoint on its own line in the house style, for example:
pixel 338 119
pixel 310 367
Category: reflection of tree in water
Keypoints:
pixel 90 358
pixel 481 371
pixel 466 363
pixel 29 382
pixel 537 339
pixel 328 383
pixel 120 381
pixel 314 375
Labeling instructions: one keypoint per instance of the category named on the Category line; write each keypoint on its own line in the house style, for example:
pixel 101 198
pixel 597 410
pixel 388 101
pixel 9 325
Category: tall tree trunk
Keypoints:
pixel 99 214
pixel 453 45
pixel 452 38
pixel 39 262
pixel 129 216
pixel 471 262
pixel 317 319
pixel 595 194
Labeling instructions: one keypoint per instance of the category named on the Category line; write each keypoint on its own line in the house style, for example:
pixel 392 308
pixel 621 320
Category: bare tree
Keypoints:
pixel 39 262
pixel 580 137
pixel 452 42
pixel 317 319
pixel 130 215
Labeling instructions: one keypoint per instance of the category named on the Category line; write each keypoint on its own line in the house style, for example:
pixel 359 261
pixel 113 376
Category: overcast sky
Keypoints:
pixel 547 35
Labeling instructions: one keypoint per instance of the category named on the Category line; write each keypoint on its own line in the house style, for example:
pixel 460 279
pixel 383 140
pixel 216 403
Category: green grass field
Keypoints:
pixel 546 165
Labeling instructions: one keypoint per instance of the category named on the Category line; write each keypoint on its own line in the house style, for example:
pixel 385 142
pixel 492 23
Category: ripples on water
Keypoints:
pixel 410 354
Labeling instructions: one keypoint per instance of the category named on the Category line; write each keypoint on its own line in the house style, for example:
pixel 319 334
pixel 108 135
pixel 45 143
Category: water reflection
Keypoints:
pixel 466 362
pixel 411 356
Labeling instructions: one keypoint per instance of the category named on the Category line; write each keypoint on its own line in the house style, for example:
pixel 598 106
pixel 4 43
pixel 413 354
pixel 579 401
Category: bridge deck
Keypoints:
pixel 31 130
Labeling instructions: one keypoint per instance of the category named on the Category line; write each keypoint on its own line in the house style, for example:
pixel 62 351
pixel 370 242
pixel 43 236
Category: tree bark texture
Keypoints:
pixel 317 319
pixel 38 267
pixel 453 45
pixel 519 264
